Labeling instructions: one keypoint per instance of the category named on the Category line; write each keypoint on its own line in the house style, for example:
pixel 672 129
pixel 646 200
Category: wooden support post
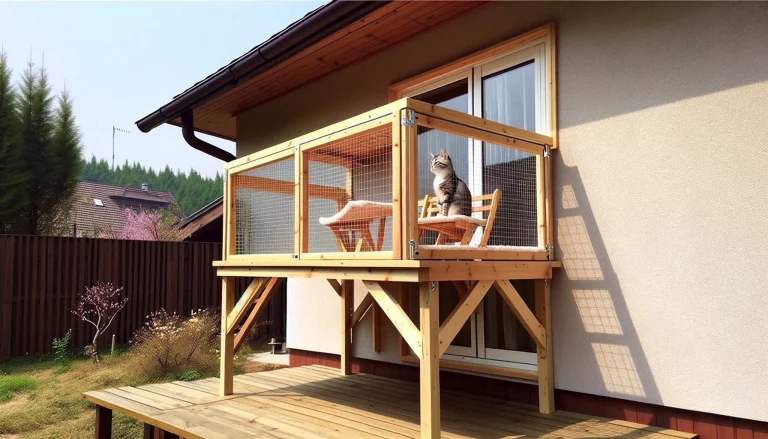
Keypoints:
pixel 227 338
pixel 545 358
pixel 149 431
pixel 430 360
pixel 347 302
pixel 376 325
pixel 103 423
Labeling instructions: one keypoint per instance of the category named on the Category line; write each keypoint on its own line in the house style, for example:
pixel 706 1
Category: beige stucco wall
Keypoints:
pixel 661 198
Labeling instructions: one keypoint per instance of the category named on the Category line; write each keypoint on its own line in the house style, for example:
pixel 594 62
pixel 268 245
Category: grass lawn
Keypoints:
pixel 40 397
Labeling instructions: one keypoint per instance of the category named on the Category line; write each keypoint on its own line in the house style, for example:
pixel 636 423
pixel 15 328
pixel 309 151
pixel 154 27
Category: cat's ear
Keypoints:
pixel 443 153
pixel 432 155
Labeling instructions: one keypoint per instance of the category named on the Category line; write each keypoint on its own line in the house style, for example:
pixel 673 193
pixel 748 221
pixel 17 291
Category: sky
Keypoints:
pixel 121 61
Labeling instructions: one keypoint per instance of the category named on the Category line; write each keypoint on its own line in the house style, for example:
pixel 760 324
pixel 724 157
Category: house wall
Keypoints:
pixel 659 191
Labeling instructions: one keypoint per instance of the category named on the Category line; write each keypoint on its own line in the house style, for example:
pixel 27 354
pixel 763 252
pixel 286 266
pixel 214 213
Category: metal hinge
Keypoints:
pixel 409 118
pixel 412 247
pixel 295 256
pixel 547 151
pixel 550 249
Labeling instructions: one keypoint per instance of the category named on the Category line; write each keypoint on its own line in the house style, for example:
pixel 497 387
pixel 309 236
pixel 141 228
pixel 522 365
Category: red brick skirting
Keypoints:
pixel 706 425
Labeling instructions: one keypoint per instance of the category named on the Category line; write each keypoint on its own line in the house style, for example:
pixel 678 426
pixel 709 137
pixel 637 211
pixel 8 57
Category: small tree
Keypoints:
pixel 144 225
pixel 99 306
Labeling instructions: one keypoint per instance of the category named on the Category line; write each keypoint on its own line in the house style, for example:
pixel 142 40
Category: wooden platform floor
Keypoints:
pixel 317 402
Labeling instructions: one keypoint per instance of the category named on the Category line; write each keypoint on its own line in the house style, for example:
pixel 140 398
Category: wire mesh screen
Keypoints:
pixel 264 209
pixel 350 194
pixel 460 175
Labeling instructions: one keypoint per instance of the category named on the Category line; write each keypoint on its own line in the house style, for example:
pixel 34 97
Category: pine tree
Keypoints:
pixel 35 115
pixel 12 175
pixel 66 151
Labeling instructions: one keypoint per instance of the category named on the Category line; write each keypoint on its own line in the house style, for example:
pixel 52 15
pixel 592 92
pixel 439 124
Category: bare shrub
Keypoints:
pixel 169 346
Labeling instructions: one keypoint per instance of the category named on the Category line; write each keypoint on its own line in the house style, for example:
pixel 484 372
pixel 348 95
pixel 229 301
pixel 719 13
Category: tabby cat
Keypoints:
pixel 453 195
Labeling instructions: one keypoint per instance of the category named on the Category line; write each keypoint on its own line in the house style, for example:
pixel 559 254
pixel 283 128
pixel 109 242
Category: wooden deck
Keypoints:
pixel 318 402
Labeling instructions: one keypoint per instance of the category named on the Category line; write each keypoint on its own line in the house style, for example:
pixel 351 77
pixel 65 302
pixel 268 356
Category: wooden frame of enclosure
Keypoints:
pixel 388 274
pixel 404 116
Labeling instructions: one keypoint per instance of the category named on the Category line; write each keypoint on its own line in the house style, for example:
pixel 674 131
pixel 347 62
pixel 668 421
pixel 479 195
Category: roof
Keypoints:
pixel 88 214
pixel 314 26
pixel 203 219
pixel 331 37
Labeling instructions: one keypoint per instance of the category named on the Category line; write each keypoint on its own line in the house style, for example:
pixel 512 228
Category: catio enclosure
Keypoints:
pixel 363 189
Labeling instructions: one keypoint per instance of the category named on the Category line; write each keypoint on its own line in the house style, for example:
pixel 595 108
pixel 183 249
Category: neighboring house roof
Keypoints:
pixel 205 224
pixel 330 37
pixel 101 205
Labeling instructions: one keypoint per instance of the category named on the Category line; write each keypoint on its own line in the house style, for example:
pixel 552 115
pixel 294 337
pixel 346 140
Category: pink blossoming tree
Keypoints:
pixel 98 306
pixel 159 225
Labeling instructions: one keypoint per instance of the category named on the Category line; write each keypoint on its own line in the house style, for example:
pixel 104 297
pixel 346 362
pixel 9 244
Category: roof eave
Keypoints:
pixel 301 34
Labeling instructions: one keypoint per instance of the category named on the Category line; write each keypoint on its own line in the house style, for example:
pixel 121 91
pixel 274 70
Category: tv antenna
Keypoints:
pixel 116 130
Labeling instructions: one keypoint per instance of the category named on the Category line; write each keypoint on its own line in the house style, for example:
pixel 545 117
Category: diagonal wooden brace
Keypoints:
pixel 522 312
pixel 397 316
pixel 456 319
pixel 268 289
pixel 336 285
pixel 249 295
pixel 361 310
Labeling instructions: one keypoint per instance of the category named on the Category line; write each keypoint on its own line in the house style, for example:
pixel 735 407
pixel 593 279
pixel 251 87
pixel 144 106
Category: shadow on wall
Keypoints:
pixel 588 289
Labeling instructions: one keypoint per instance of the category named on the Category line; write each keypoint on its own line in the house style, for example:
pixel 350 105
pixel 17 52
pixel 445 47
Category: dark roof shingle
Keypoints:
pixel 88 216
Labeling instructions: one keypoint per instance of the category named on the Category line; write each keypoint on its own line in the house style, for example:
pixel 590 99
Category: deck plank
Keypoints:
pixel 317 402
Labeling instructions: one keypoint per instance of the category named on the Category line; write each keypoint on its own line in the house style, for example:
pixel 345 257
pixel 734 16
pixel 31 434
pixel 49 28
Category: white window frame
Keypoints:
pixel 536 50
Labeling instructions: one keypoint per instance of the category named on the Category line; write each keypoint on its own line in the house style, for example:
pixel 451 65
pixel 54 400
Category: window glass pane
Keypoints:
pixel 456 97
pixel 509 96
pixel 502 329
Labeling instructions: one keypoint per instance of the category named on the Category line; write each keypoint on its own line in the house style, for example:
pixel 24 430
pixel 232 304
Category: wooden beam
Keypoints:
pixel 361 309
pixel 545 357
pixel 288 187
pixel 519 141
pixel 376 314
pixel 482 270
pixel 346 303
pixel 336 285
pixel 227 340
pixel 249 295
pixel 456 319
pixel 323 272
pixel 521 311
pixel 397 178
pixel 403 298
pixel 429 368
pixel 396 315
pixel 103 423
pixel 409 181
pixel 260 302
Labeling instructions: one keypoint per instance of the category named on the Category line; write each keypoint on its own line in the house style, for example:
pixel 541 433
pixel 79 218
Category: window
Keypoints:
pixel 98 202
pixel 508 83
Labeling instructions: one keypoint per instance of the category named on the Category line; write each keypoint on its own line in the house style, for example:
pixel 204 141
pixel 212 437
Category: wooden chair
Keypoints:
pixel 459 228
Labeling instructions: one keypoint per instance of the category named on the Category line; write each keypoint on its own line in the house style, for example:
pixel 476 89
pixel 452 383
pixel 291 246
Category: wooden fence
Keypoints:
pixel 41 278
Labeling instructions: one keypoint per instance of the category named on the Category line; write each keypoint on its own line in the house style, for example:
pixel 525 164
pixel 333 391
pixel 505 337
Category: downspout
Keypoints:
pixel 188 131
